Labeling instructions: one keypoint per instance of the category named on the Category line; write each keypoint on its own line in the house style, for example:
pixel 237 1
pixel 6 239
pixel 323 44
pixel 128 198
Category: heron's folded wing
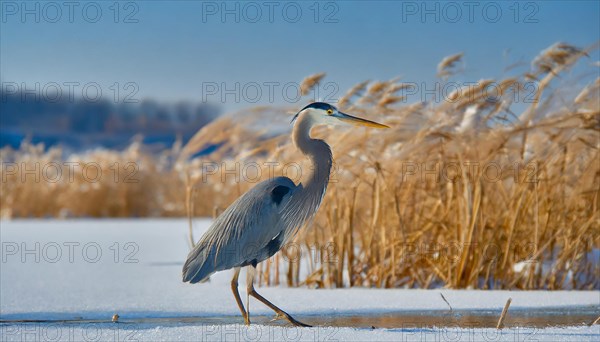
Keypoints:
pixel 243 234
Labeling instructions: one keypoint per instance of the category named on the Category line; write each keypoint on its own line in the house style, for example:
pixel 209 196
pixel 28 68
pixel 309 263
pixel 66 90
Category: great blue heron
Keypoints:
pixel 264 219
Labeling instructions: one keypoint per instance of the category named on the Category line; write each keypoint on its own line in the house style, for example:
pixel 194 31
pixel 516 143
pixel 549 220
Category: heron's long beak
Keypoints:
pixel 353 120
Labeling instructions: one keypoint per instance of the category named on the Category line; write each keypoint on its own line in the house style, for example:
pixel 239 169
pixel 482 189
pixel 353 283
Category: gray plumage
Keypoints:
pixel 230 241
pixel 264 219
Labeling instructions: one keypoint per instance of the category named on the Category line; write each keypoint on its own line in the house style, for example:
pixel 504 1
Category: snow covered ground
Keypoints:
pixel 92 269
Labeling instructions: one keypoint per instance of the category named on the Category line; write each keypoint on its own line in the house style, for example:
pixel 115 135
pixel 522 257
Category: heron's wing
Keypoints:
pixel 248 232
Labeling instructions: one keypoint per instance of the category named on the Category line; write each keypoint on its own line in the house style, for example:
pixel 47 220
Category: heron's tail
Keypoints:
pixel 197 267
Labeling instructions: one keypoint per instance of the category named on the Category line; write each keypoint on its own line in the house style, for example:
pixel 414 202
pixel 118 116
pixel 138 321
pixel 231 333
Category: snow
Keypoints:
pixel 276 333
pixel 92 269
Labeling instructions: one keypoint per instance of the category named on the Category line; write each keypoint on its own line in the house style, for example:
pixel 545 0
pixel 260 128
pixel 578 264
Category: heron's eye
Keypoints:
pixel 330 111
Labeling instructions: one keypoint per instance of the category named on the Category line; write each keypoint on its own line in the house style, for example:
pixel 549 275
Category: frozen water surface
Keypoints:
pixel 64 280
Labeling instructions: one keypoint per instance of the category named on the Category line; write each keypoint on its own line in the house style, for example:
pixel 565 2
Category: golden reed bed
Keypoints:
pixel 460 193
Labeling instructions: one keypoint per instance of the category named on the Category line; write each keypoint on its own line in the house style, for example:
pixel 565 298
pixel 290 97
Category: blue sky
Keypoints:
pixel 177 50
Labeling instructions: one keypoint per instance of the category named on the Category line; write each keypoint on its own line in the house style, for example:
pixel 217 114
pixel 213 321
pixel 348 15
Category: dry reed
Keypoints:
pixel 500 324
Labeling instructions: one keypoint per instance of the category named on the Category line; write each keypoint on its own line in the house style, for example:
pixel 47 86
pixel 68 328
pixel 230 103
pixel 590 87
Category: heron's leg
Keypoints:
pixel 236 294
pixel 252 292
pixel 249 278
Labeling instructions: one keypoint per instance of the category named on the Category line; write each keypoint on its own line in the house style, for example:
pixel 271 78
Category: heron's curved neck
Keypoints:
pixel 317 150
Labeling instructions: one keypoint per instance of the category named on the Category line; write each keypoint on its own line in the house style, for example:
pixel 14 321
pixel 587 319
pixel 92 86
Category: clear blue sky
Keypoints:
pixel 172 48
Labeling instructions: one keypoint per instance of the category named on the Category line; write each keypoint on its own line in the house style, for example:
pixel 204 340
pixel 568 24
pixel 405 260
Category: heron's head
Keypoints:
pixel 322 113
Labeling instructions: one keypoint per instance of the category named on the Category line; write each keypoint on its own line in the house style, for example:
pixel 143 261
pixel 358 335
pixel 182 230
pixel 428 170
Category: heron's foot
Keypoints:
pixel 283 315
pixel 247 320
pixel 298 323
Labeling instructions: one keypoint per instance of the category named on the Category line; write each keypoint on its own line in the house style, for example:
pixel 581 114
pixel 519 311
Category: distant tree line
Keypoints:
pixel 81 124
